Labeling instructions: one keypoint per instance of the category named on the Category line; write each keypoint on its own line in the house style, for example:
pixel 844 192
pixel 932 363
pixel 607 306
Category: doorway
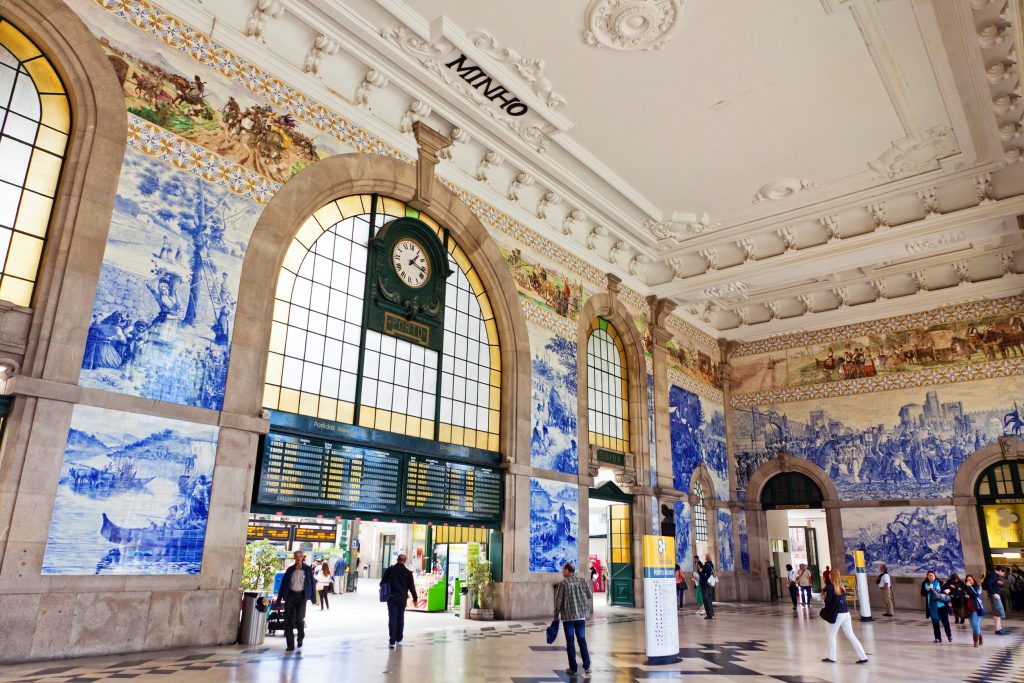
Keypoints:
pixel 1000 494
pixel 611 547
pixel 797 529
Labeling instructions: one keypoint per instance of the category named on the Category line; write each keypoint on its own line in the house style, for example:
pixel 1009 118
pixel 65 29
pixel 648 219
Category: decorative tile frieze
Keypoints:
pixel 693 385
pixel 948 314
pixel 940 375
pixel 188 156
pixel 548 319
pixel 688 331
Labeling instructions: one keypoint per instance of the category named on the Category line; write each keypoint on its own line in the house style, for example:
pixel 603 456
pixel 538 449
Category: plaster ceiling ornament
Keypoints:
pixel 933 242
pixel 743 316
pixel 878 215
pixel 710 257
pixel 918 278
pixel 1000 70
pixel 878 287
pixel 458 136
pixel 617 250
pixel 530 70
pixel 808 302
pixel 595 232
pixel 930 202
pixel 1006 101
pixel 702 310
pixel 843 294
pixel 747 247
pixel 993 33
pixel 963 273
pixel 321 46
pixel 681 227
pixel 678 267
pixel 264 11
pixel 781 188
pixel 373 80
pixel 736 291
pixel 1009 130
pixel 1013 155
pixel 909 157
pixel 489 161
pixel 774 307
pixel 788 238
pixel 434 56
pixel 637 261
pixel 418 111
pixel 831 225
pixel 572 218
pixel 983 184
pixel 547 201
pixel 631 24
pixel 522 179
pixel 1008 262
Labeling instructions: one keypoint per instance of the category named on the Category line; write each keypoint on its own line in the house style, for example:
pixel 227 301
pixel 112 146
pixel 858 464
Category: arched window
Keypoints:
pixel 700 514
pixel 34 124
pixel 1001 479
pixel 324 362
pixel 607 397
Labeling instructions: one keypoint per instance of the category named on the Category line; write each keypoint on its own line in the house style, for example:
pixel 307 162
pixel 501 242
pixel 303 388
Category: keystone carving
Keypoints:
pixel 430 144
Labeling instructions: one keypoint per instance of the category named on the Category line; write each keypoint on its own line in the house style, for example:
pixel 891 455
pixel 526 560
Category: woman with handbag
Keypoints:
pixel 680 587
pixel 975 607
pixel 696 586
pixel 938 606
pixel 837 614
pixel 954 587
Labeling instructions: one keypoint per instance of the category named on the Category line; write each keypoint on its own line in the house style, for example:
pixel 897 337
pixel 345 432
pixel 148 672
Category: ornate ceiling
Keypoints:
pixel 769 166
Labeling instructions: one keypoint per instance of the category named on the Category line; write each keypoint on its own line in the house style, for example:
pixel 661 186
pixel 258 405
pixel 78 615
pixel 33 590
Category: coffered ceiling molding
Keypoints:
pixel 781 188
pixel 910 157
pixel 501 83
pixel 631 24
pixel 998 29
pixel 680 228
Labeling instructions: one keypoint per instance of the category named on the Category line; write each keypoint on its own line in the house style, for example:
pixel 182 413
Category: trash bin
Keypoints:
pixel 465 604
pixel 253 626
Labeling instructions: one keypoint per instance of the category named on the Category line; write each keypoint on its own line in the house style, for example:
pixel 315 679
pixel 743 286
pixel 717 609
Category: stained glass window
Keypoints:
pixel 318 343
pixel 34 124
pixel 607 404
pixel 700 515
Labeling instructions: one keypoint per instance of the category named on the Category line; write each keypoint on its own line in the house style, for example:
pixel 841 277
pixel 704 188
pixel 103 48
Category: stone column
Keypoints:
pixel 660 310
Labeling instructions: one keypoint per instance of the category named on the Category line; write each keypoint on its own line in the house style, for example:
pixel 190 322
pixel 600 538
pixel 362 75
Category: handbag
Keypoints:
pixel 827 614
pixel 385 592
pixel 552 631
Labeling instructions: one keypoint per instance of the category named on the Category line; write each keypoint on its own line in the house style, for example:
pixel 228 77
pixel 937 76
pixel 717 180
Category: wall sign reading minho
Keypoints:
pixel 479 79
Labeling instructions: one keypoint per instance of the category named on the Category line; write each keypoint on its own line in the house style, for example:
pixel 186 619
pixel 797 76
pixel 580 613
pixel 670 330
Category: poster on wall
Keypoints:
pixel 684 557
pixel 726 557
pixel 887 445
pixel 554 405
pixel 910 541
pixel 133 497
pixel 697 431
pixel 554 524
pixel 165 304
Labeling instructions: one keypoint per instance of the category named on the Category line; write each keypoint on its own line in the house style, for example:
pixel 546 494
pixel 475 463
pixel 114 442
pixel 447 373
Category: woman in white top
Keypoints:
pixel 323 584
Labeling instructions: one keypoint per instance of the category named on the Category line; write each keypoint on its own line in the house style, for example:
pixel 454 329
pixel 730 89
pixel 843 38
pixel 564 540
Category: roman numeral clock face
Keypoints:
pixel 410 263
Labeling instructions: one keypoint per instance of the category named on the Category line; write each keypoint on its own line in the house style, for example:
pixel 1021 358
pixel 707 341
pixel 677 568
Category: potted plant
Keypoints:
pixel 481 588
pixel 260 566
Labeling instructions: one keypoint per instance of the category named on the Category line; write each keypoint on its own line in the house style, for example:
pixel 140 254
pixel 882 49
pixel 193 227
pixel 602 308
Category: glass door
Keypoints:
pixel 387 547
pixel 812 559
pixel 620 532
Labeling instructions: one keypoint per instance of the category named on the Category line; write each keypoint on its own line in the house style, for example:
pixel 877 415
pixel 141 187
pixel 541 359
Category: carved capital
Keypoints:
pixel 430 143
pixel 613 283
pixel 660 309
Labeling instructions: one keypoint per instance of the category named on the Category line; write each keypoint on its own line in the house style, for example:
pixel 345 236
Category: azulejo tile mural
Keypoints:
pixel 684 555
pixel 164 309
pixel 741 530
pixel 134 495
pixel 910 541
pixel 544 286
pixel 898 444
pixel 697 430
pixel 553 399
pixel 554 524
pixel 726 557
pixel 896 345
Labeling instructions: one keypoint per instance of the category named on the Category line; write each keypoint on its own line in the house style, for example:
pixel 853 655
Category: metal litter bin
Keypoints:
pixel 465 603
pixel 253 626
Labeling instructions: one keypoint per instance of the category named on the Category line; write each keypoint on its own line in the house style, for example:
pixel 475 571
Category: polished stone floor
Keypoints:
pixel 752 643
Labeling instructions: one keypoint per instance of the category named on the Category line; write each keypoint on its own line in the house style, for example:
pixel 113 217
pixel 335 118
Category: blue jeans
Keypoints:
pixel 805 594
pixel 976 623
pixel 579 628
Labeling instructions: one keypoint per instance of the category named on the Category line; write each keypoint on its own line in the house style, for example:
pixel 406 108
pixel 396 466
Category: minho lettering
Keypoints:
pixel 477 78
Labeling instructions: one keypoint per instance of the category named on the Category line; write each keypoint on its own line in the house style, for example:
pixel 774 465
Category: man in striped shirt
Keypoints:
pixel 572 606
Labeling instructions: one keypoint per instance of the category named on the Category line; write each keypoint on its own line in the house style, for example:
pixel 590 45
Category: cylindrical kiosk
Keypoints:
pixel 863 598
pixel 661 620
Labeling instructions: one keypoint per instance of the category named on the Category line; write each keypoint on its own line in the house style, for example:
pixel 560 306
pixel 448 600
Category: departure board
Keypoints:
pixel 449 489
pixel 311 472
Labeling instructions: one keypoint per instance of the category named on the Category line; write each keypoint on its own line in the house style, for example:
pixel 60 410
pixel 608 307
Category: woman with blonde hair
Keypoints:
pixel 837 615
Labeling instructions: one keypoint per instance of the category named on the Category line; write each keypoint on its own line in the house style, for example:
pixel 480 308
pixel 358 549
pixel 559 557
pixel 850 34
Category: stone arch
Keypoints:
pixel 757 520
pixel 606 305
pixel 73 256
pixel 348 174
pixel 967 515
pixel 702 475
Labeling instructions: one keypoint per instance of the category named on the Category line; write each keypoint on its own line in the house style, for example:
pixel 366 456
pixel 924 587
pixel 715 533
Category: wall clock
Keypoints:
pixel 411 263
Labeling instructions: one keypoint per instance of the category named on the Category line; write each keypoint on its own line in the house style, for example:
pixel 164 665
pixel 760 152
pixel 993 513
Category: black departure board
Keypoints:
pixel 316 473
pixel 449 489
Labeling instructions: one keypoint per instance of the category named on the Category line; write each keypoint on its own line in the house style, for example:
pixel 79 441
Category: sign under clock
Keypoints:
pixel 408 266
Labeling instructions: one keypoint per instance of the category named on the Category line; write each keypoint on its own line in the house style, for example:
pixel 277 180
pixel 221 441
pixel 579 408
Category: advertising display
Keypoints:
pixel 660 618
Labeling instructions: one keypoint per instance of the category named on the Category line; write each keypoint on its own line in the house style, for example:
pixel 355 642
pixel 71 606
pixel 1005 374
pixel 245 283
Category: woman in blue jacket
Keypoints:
pixel 974 607
pixel 938 606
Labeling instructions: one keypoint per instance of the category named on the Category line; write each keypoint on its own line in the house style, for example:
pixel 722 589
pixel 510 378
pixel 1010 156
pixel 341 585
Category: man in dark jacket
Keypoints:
pixel 297 587
pixel 400 583
pixel 707 591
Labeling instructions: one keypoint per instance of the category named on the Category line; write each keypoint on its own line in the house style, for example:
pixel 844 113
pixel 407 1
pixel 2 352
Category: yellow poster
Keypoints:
pixel 1004 525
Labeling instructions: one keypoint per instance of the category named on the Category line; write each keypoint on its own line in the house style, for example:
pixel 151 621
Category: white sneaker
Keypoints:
pixel 298 648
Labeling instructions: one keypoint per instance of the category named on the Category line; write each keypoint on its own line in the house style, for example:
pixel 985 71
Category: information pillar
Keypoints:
pixel 661 620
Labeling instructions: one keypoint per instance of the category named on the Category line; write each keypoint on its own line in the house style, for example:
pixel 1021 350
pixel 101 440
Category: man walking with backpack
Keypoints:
pixel 396 583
